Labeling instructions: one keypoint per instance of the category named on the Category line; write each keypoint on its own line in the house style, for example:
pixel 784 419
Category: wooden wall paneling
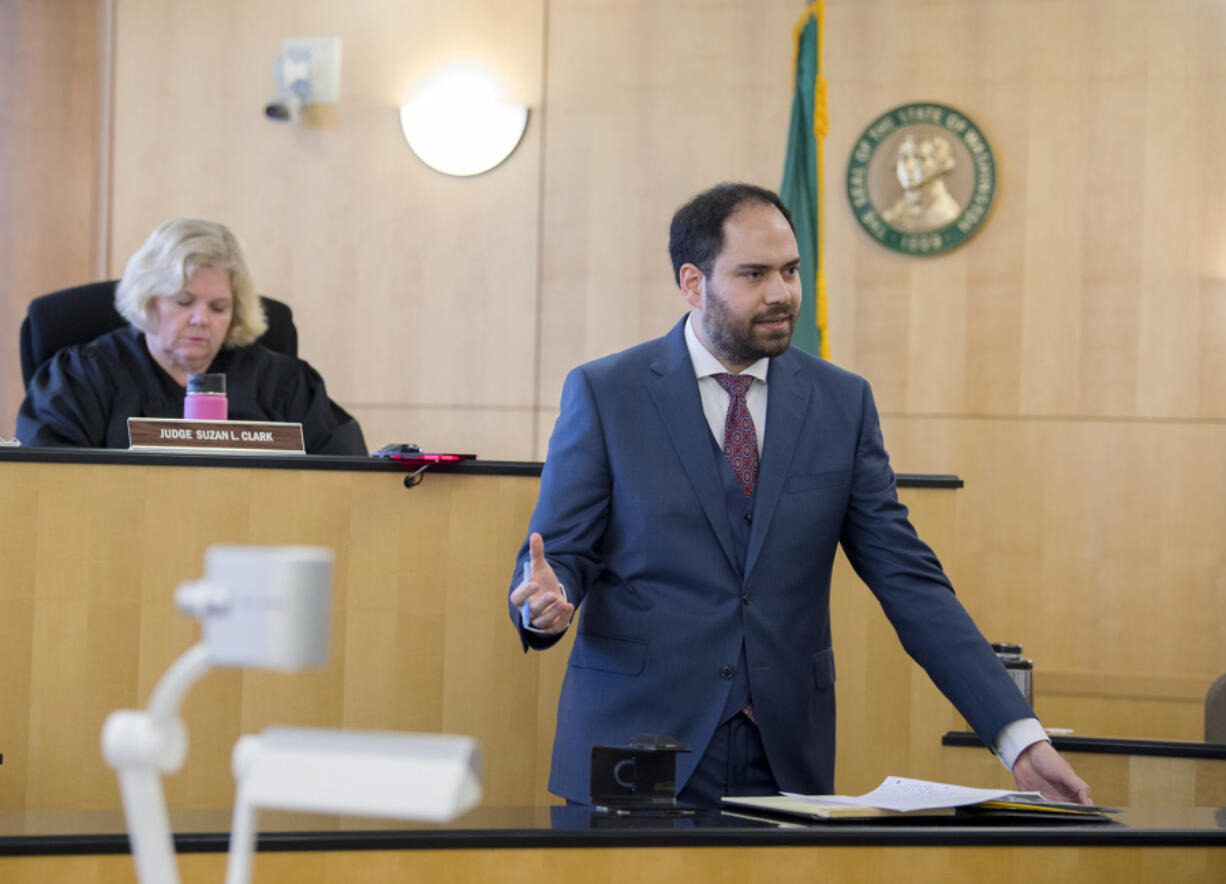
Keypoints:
pixel 17 637
pixel 51 126
pixel 546 418
pixel 996 256
pixel 1211 332
pixel 1124 704
pixel 17 610
pixel 1161 782
pixel 1067 531
pixel 871 865
pixel 1209 213
pixel 649 104
pixel 1059 114
pixel 384 673
pixel 1104 712
pixel 421 638
pixel 937 307
pixel 1168 356
pixel 1210 786
pixel 74 647
pixel 180 516
pixel 491 686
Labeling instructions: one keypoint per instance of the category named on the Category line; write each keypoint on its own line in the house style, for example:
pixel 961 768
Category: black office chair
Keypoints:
pixel 78 315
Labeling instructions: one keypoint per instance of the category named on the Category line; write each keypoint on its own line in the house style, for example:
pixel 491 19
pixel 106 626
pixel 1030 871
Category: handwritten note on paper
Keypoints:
pixel 905 794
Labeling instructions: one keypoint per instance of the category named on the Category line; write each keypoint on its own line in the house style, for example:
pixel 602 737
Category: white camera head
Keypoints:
pixel 431 777
pixel 265 607
pixel 295 73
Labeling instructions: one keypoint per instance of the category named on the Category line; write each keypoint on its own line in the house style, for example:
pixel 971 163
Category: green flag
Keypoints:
pixel 801 189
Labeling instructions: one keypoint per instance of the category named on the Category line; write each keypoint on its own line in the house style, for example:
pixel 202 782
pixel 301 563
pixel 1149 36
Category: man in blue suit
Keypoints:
pixel 694 493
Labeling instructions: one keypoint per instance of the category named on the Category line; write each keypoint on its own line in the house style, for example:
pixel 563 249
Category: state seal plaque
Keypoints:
pixel 921 179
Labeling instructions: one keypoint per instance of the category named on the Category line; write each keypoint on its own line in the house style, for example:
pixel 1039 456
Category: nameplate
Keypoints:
pixel 236 437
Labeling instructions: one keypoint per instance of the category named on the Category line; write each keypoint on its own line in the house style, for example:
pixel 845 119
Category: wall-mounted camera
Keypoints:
pixel 308 71
pixel 283 110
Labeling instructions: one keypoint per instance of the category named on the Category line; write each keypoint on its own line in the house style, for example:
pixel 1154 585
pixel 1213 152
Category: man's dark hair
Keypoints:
pixel 697 232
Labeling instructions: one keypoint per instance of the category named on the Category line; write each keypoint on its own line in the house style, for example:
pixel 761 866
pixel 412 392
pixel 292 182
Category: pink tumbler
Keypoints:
pixel 206 398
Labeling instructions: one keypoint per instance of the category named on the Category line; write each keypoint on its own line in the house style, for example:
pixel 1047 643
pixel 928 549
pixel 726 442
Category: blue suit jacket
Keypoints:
pixel 633 515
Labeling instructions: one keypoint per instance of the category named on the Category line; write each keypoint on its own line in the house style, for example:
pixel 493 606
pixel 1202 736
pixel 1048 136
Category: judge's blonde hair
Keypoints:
pixel 162 266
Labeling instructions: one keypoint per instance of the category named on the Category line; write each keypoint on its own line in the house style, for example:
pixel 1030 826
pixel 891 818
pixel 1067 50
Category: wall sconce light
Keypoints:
pixel 458 124
pixel 308 71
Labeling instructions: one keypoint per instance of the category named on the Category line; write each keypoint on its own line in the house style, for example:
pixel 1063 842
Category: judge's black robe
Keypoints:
pixel 84 395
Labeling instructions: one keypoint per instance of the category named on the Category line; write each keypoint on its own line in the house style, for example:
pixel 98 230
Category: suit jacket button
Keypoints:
pixel 749 518
pixel 726 671
pixel 747 598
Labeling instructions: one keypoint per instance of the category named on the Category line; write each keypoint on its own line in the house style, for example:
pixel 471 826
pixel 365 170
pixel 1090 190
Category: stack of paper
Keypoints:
pixel 904 796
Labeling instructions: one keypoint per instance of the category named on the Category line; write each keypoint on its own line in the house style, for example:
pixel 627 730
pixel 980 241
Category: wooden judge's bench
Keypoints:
pixel 94 544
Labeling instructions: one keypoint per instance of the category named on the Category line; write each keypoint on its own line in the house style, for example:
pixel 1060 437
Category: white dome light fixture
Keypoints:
pixel 458 124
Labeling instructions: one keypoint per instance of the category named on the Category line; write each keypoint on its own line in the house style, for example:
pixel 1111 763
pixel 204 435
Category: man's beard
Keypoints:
pixel 734 340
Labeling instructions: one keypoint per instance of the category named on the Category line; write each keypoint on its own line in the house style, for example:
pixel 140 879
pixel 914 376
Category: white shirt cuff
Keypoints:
pixel 1015 738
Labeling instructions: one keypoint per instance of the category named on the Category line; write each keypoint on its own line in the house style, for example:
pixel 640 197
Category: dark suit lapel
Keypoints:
pixel 675 392
pixel 787 401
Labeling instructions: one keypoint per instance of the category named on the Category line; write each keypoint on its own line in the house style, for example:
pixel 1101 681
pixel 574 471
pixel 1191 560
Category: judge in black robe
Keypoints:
pixel 191 307
pixel 84 395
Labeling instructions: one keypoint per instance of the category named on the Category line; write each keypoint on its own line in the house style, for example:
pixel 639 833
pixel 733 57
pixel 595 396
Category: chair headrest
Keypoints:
pixel 79 314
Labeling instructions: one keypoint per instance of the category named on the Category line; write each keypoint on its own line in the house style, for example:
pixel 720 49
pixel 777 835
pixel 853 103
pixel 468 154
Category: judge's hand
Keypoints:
pixel 551 612
pixel 1040 768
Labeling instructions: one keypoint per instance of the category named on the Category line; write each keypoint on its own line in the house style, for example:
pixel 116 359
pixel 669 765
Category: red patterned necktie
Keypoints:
pixel 741 449
pixel 740 437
